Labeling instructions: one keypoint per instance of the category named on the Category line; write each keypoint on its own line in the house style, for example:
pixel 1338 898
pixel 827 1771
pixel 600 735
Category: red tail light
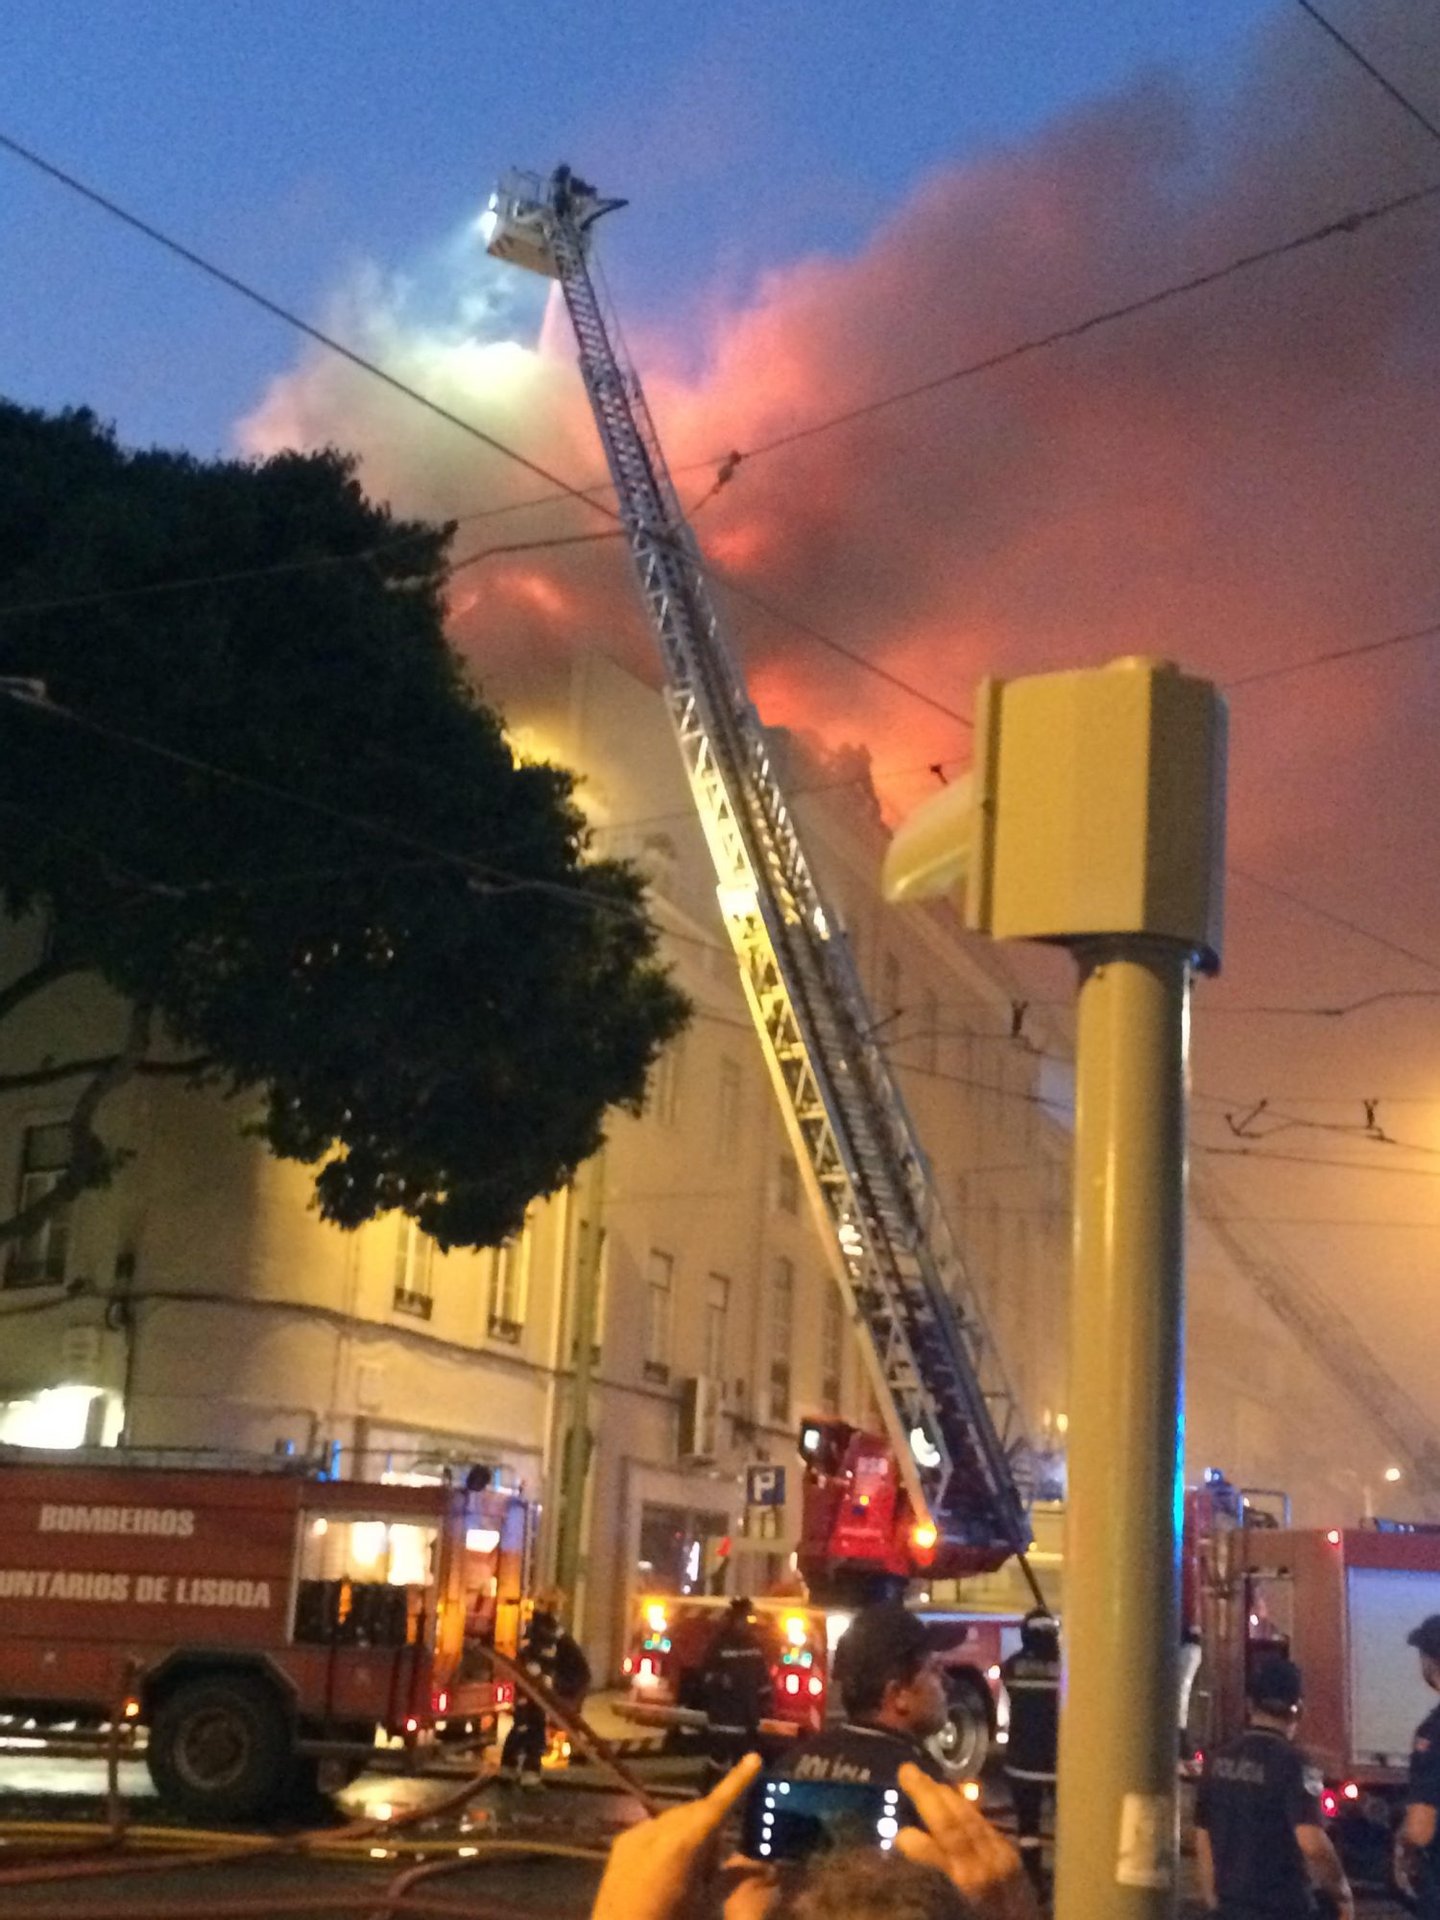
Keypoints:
pixel 504 1693
pixel 627 1666
pixel 1350 1791
pixel 817 1686
pixel 1329 1805
pixel 442 1701
pixel 792 1683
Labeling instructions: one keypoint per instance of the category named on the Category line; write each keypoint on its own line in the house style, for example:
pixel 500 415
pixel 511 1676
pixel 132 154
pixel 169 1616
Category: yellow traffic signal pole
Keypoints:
pixel 1115 1841
pixel 1094 819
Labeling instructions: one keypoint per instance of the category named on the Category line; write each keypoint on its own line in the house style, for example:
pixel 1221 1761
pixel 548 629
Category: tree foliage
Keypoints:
pixel 341 893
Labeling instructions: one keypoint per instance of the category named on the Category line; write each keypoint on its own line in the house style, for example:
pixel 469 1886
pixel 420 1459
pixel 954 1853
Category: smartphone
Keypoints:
pixel 793 1819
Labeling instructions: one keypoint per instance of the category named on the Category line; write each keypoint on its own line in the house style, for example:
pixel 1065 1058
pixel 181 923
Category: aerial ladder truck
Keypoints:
pixel 943 1494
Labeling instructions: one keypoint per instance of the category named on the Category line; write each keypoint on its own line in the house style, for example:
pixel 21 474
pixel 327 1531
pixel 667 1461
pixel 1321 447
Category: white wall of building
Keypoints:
pixel 206 1304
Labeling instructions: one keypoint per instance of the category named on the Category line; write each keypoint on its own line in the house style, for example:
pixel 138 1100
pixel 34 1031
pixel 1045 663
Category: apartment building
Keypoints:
pixel 199 1301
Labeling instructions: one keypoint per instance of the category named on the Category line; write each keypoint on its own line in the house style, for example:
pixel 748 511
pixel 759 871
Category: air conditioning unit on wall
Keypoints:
pixel 700 1402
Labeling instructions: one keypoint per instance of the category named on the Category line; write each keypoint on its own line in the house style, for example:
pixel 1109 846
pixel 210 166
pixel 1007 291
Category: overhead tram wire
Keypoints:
pixel 1346 224
pixel 564 488
pixel 1334 655
pixel 1383 80
pixel 498 881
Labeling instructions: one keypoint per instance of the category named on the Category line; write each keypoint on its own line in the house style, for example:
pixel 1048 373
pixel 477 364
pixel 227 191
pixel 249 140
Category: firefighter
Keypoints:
pixel 892 1687
pixel 1417 1844
pixel 1032 1682
pixel 1259 1841
pixel 735 1688
pixel 524 1747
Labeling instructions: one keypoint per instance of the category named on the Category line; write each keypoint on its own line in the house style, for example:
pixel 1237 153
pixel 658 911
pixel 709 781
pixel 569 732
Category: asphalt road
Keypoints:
pixel 534 1888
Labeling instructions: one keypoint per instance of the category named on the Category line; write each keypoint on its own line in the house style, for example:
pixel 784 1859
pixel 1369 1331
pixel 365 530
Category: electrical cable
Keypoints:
pixel 1334 654
pixel 564 488
pixel 291 318
pixel 1380 79
pixel 1334 919
pixel 498 879
pixel 1344 224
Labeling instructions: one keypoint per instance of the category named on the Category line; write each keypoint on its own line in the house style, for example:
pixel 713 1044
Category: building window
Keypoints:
pixel 509 1285
pixel 782 1327
pixel 659 1282
pixel 727 1107
pixel 832 1350
pixel 787 1184
pixel 39 1259
pixel 666 1083
pixel 717 1309
pixel 414 1269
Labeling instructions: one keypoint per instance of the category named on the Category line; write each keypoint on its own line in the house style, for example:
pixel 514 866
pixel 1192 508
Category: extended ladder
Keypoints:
pixel 949 1412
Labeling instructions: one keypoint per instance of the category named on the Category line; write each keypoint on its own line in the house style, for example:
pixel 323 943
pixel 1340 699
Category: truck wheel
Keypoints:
pixel 220 1748
pixel 962 1745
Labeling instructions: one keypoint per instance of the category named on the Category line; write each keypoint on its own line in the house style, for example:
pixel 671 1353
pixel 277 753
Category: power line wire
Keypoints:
pixel 1335 919
pixel 290 318
pixel 1381 79
pixel 1344 224
pixel 498 880
pixel 586 496
pixel 1336 653
pixel 314 562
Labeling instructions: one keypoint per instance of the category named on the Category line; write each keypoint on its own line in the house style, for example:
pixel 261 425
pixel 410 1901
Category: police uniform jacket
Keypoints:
pixel 1254 1792
pixel 1424 1791
pixel 855 1751
pixel 1032 1682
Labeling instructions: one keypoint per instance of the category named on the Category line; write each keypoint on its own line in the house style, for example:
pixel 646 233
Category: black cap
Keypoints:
pixel 881 1644
pixel 1426 1637
pixel 1276 1682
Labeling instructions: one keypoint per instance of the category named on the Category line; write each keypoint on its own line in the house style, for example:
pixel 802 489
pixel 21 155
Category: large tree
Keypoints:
pixel 262 802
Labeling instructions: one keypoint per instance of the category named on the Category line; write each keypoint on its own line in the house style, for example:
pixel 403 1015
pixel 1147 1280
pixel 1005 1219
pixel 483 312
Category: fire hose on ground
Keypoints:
pixel 114 1841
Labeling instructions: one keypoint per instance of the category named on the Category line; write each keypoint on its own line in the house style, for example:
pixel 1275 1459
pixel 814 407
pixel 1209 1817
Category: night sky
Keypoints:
pixel 825 209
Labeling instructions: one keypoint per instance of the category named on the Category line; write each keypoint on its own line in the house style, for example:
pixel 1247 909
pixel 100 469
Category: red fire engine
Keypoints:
pixel 1340 1601
pixel 255 1622
pixel 672 1637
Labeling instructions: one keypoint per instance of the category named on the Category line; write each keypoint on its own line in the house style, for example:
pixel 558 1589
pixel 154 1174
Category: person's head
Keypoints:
pixel 737 1614
pixel 888 1674
pixel 1040 1633
pixel 543 1624
pixel 864 1885
pixel 1426 1642
pixel 1275 1692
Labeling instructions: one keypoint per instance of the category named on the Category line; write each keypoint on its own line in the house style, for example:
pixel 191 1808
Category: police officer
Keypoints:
pixel 1258 1838
pixel 892 1688
pixel 524 1747
pixel 1032 1683
pixel 1417 1844
pixel 736 1689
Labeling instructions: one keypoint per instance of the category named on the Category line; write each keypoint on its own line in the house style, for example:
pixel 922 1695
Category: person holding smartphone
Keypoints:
pixel 952 1865
pixel 891 1685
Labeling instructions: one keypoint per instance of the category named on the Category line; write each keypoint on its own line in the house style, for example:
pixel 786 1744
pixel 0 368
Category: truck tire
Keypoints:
pixel 963 1745
pixel 220 1748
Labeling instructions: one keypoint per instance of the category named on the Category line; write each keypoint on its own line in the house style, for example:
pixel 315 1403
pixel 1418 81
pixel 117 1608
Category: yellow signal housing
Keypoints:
pixel 1095 807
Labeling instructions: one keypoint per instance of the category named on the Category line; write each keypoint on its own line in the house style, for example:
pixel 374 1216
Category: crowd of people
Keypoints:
pixel 1262 1850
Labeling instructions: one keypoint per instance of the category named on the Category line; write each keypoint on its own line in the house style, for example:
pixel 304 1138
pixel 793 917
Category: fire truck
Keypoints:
pixel 259 1623
pixel 952 1422
pixel 953 1433
pixel 672 1637
pixel 1340 1601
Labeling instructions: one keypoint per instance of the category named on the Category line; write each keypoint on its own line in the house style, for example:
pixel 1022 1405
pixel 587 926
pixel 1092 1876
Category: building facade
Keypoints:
pixel 199 1301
